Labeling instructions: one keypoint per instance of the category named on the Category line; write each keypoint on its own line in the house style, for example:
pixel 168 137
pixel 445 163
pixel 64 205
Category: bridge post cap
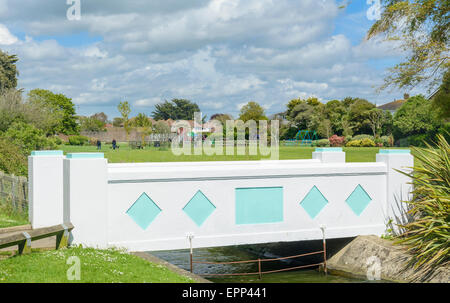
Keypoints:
pixel 394 151
pixel 86 156
pixel 47 153
pixel 328 149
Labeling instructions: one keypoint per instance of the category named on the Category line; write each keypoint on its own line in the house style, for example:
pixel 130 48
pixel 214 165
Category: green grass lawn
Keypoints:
pixel 96 266
pixel 154 154
pixel 9 218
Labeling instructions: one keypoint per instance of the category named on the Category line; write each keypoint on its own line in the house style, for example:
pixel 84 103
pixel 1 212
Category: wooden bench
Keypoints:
pixel 23 239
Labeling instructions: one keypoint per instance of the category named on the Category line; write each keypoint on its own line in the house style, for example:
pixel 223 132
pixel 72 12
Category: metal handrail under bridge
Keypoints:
pixel 260 261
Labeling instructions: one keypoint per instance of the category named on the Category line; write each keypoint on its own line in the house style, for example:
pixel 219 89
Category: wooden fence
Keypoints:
pixel 14 190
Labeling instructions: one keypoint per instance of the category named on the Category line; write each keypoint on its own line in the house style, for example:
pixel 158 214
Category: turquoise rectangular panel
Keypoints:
pixel 394 151
pixel 329 149
pixel 259 205
pixel 47 153
pixel 86 156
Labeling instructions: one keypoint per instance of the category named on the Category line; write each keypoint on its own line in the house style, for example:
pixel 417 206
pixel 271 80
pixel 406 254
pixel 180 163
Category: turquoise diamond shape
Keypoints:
pixel 358 200
pixel 314 202
pixel 199 208
pixel 143 211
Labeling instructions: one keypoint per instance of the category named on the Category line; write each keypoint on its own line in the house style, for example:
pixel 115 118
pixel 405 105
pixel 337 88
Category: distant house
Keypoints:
pixel 393 106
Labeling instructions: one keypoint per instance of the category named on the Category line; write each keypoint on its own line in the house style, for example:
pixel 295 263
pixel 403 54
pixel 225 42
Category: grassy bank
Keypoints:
pixel 101 266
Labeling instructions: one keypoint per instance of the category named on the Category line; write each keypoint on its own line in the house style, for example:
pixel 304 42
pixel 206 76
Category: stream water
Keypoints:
pixel 180 258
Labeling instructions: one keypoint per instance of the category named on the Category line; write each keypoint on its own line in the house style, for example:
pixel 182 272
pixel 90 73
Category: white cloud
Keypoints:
pixel 6 38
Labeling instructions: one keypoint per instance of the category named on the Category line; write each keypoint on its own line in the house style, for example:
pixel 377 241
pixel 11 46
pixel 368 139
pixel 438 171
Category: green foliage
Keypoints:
pixel 363 136
pixel 428 235
pixel 442 100
pixel 91 124
pixel 361 143
pixel 161 127
pixel 12 108
pixel 117 122
pixel 12 158
pixel 322 143
pixel 252 111
pixel 353 143
pixel 358 115
pixel 176 109
pixel 422 27
pixel 8 71
pixel 387 141
pixel 60 106
pixel 415 116
pixel 367 143
pixel 78 140
pixel 28 138
pixel 144 126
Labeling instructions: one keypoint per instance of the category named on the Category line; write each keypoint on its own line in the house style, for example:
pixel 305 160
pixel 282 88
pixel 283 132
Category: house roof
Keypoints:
pixel 394 105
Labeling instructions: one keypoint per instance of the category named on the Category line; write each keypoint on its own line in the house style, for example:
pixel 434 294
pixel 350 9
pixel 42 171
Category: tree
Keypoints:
pixel 442 99
pixel 124 110
pixel 8 71
pixel 252 111
pixel 358 115
pixel 117 122
pixel 375 120
pixel 143 125
pixel 59 105
pixel 301 115
pixel 91 124
pixel 177 109
pixel 415 117
pixel 422 27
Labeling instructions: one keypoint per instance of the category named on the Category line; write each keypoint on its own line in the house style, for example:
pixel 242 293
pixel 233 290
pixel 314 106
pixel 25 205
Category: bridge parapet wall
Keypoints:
pixel 155 206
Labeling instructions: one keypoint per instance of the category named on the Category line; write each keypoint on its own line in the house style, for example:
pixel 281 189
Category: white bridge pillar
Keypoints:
pixel 329 155
pixel 86 197
pixel 398 188
pixel 45 188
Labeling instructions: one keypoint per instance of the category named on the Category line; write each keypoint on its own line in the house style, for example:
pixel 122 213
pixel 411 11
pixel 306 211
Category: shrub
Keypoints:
pixel 387 141
pixel 427 236
pixel 12 158
pixel 354 143
pixel 57 140
pixel 337 141
pixel 322 143
pixel 362 137
pixel 348 139
pixel 418 140
pixel 367 143
pixel 28 137
pixel 93 141
pixel 78 140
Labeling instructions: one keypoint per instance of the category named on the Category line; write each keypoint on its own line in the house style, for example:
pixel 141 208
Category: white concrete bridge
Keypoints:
pixel 155 206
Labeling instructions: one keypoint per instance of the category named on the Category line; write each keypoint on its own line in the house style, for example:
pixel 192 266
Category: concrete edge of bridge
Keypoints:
pixel 149 257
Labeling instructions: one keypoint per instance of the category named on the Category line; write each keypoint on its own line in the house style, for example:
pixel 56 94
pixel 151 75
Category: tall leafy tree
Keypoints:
pixel 176 109
pixel 252 111
pixel 125 110
pixel 423 28
pixel 143 125
pixel 415 117
pixel 60 105
pixel 8 71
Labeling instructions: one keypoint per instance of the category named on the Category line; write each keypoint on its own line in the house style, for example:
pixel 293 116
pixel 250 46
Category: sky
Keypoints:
pixel 219 54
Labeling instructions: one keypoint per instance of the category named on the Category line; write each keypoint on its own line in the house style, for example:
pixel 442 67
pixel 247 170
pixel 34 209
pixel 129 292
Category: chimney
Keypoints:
pixel 406 96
